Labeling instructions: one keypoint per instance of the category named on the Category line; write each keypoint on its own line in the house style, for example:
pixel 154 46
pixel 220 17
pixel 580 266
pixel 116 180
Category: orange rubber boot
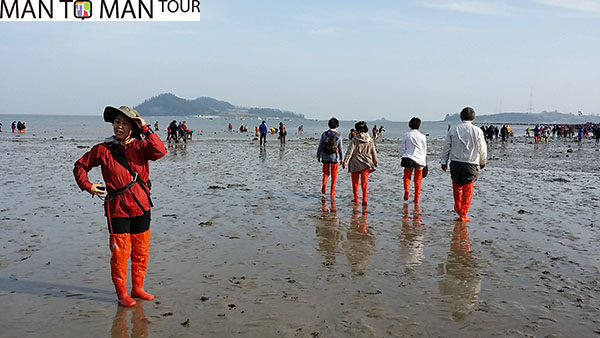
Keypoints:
pixel 139 262
pixel 119 246
pixel 465 202
pixel 364 183
pixel 407 173
pixel 457 191
pixel 418 178
pixel 334 171
pixel 355 186
pixel 325 177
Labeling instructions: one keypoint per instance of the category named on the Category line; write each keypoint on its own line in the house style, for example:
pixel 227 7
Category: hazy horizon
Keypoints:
pixel 353 60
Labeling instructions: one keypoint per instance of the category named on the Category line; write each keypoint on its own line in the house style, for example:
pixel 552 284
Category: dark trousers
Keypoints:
pixel 263 138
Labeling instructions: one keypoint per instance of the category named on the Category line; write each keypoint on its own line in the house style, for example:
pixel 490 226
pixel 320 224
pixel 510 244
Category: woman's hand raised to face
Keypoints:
pixel 139 121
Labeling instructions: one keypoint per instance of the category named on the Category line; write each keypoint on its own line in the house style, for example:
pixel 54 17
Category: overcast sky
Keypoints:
pixel 351 59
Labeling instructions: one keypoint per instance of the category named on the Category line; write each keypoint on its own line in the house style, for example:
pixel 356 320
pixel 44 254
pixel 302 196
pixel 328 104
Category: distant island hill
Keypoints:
pixel 168 104
pixel 544 117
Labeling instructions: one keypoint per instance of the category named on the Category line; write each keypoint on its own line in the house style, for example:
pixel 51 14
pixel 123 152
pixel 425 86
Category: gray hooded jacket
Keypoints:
pixel 361 153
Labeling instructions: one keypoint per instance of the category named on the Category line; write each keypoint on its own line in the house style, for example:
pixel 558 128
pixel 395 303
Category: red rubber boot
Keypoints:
pixel 418 178
pixel 325 177
pixel 465 202
pixel 355 176
pixel 334 171
pixel 119 246
pixel 139 262
pixel 406 179
pixel 457 191
pixel 364 183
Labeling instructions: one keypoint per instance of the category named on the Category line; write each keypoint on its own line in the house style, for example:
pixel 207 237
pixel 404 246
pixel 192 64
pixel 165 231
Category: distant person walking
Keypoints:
pixel 330 154
pixel 465 148
pixel 282 132
pixel 414 157
pixel 263 133
pixel 361 160
pixel 374 131
pixel 351 134
pixel 156 126
pixel 504 133
pixel 13 126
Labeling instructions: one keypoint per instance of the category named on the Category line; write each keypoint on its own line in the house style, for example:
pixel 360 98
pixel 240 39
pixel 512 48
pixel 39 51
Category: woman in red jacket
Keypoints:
pixel 124 162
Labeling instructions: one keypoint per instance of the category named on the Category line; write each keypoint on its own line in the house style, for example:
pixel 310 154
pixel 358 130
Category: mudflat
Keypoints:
pixel 244 244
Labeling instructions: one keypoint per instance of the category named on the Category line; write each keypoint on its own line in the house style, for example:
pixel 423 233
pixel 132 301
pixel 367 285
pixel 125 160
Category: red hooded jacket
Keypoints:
pixel 115 176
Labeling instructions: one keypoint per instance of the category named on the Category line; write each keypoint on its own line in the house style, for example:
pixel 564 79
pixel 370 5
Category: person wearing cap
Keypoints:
pixel 123 158
pixel 466 149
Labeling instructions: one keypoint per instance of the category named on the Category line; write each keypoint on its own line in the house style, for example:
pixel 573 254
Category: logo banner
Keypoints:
pixel 99 10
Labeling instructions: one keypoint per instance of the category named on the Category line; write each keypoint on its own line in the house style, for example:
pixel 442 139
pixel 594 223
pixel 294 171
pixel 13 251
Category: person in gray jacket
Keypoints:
pixel 330 154
pixel 362 160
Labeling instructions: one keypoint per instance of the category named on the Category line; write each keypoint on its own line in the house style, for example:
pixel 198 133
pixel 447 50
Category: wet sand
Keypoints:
pixel 244 245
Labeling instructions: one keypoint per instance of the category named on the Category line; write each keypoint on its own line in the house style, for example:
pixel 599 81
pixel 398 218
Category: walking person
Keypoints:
pixel 282 133
pixel 414 157
pixel 263 133
pixel 465 148
pixel 330 154
pixel 124 162
pixel 361 159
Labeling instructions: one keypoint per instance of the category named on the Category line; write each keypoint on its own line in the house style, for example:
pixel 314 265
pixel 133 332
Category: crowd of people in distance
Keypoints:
pixel 18 127
pixel 492 132
pixel 377 132
pixel 262 130
pixel 544 132
pixel 176 132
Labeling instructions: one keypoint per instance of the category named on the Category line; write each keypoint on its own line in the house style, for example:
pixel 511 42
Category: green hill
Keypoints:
pixel 167 104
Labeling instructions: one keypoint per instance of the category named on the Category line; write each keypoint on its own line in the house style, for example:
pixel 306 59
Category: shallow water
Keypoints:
pixel 243 244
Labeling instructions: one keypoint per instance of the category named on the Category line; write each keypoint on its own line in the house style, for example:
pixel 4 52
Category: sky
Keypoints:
pixel 343 58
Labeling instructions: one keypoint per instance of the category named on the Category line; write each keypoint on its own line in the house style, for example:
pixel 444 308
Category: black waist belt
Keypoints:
pixel 134 179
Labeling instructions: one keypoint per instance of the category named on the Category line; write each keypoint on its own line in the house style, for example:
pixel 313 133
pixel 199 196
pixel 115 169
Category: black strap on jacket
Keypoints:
pixel 119 156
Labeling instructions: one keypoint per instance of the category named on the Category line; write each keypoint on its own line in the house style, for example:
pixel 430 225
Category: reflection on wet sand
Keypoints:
pixel 263 153
pixel 359 244
pixel 138 320
pixel 411 238
pixel 459 278
pixel 328 231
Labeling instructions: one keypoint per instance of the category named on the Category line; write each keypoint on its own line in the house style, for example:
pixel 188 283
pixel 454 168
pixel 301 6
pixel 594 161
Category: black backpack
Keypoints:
pixel 330 144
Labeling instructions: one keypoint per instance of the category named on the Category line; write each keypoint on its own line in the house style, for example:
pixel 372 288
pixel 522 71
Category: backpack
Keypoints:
pixel 330 144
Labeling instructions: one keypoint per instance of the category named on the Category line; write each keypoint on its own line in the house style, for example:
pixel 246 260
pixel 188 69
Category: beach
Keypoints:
pixel 244 244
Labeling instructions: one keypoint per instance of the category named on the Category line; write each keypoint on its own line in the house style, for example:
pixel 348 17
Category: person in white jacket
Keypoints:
pixel 414 157
pixel 466 149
